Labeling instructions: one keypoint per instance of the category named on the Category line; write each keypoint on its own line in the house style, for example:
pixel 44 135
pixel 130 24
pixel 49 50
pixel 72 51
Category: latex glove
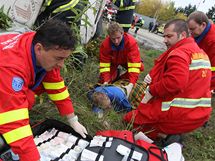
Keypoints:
pixel 105 83
pixel 148 79
pixel 128 88
pixel 147 96
pixel 79 128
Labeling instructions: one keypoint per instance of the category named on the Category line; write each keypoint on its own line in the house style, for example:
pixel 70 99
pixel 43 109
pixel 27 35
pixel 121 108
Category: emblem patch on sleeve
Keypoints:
pixel 17 83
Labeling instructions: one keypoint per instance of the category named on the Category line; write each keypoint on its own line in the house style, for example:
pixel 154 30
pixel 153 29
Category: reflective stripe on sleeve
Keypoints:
pixel 59 96
pixel 66 7
pixel 121 3
pixel 102 70
pixel 200 64
pixel 14 115
pixel 104 64
pixel 126 8
pixel 186 103
pixel 133 70
pixel 17 134
pixel 125 25
pixel 212 69
pixel 48 2
pixel 58 85
pixel 134 65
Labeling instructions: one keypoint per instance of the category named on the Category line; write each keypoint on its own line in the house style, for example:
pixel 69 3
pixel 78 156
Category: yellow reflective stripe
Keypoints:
pixel 17 134
pixel 125 25
pixel 104 70
pixel 134 65
pixel 48 2
pixel 59 96
pixel 186 103
pixel 104 64
pixel 127 8
pixel 14 115
pixel 212 69
pixel 66 7
pixel 134 70
pixel 58 85
pixel 121 3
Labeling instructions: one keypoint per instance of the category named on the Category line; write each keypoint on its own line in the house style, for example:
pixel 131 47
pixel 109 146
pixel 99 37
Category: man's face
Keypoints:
pixel 195 28
pixel 170 36
pixel 52 58
pixel 116 38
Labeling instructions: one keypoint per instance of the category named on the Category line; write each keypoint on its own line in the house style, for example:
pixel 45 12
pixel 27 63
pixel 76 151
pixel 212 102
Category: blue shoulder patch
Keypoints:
pixel 17 83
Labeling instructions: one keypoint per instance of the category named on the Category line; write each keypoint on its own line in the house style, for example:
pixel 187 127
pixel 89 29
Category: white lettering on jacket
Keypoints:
pixel 10 42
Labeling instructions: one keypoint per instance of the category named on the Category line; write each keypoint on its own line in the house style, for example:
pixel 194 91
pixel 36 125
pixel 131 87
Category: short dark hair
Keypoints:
pixel 180 26
pixel 55 33
pixel 199 17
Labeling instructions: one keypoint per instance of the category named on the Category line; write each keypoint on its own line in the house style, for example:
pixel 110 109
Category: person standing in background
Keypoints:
pixel 125 13
pixel 139 24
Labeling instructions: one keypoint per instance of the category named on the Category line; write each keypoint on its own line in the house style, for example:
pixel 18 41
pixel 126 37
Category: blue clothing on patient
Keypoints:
pixel 117 96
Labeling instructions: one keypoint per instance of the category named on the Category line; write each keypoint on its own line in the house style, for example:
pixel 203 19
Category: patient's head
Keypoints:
pixel 101 100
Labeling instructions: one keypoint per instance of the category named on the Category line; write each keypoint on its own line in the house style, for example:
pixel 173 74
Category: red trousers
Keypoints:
pixel 213 81
pixel 148 118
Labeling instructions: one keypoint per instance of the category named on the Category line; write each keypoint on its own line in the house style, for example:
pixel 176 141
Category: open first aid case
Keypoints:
pixel 56 141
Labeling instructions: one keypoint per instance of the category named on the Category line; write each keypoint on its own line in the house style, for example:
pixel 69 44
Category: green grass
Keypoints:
pixel 5 21
pixel 198 145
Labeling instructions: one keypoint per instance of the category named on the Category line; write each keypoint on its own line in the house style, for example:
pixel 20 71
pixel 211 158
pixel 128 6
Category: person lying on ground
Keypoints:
pixel 116 96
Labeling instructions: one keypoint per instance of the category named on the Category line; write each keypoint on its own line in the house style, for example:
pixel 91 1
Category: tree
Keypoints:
pixel 167 11
pixel 181 16
pixel 149 8
pixel 156 8
pixel 187 10
pixel 211 13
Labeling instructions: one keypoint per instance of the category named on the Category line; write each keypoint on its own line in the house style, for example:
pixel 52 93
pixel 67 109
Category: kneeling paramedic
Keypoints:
pixel 177 99
pixel 31 62
pixel 119 50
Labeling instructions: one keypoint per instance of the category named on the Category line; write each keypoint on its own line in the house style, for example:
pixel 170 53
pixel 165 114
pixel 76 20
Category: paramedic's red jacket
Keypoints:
pixel 126 54
pixel 208 45
pixel 181 91
pixel 17 78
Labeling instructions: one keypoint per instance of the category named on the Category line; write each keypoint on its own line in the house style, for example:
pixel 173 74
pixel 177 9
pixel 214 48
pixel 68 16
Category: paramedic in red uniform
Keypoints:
pixel 177 99
pixel 119 49
pixel 31 62
pixel 204 33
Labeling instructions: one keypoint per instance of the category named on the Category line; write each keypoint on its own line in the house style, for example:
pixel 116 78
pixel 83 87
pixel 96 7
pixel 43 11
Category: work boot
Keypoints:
pixel 171 139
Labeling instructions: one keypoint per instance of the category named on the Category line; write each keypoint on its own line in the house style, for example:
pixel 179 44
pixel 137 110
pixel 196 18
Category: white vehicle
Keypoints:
pixel 24 14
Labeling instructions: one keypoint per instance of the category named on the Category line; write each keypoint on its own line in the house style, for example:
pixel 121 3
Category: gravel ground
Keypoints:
pixel 149 40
